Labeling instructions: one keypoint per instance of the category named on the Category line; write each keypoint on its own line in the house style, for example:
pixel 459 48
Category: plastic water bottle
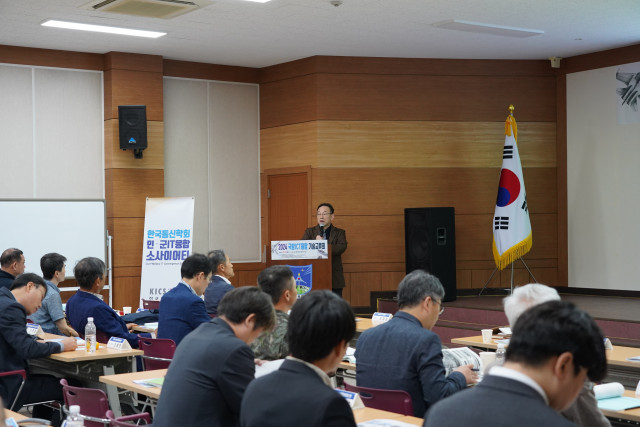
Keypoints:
pixel 74 419
pixel 500 354
pixel 90 335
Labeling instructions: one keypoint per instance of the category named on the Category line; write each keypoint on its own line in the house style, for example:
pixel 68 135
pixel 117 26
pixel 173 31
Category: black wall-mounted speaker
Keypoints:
pixel 133 126
pixel 430 244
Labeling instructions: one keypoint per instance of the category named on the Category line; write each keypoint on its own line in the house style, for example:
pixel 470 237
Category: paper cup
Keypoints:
pixel 126 310
pixel 486 335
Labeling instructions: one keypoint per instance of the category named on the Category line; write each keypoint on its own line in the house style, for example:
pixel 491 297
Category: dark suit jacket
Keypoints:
pixel 402 355
pixel 215 291
pixel 181 311
pixel 16 345
pixel 294 395
pixel 6 279
pixel 206 379
pixel 497 402
pixel 338 242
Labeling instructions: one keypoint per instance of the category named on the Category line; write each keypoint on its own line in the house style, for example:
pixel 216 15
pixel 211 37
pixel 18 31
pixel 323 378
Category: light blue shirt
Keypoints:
pixel 50 311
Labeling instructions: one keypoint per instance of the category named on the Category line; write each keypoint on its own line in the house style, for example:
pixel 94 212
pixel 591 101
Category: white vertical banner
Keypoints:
pixel 168 237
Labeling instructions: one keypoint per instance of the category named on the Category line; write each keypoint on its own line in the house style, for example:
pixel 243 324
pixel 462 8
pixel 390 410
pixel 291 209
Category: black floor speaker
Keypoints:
pixel 430 244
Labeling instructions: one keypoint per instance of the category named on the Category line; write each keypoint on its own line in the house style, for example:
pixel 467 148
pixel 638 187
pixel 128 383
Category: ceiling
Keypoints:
pixel 237 32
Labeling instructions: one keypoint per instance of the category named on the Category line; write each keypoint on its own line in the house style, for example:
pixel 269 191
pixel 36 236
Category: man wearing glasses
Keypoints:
pixel 336 237
pixel 404 354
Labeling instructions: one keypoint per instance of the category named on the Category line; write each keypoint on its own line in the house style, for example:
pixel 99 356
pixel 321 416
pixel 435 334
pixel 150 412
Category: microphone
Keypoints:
pixel 322 230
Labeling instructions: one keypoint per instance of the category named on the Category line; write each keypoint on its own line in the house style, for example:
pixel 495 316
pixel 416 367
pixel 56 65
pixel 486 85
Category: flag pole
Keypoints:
pixel 511 172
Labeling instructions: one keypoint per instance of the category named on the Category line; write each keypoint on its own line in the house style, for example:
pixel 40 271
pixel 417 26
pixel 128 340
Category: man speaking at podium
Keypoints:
pixel 336 237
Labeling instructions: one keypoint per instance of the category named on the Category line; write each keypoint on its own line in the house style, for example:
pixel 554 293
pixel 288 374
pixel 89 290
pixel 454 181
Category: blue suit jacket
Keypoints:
pixel 294 395
pixel 181 311
pixel 214 293
pixel 402 355
pixel 83 305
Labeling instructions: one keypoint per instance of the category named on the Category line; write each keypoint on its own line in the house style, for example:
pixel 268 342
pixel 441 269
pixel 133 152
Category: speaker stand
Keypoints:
pixel 496 269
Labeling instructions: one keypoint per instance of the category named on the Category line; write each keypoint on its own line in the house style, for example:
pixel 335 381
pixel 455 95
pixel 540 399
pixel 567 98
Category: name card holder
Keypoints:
pixel 34 329
pixel 381 317
pixel 118 344
pixel 354 400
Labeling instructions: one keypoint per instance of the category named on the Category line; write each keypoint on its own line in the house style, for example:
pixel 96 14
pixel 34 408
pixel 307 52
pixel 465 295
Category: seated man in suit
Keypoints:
pixel 51 316
pixel 300 392
pixel 555 347
pixel 11 265
pixel 404 354
pixel 584 410
pixel 181 309
pixel 213 365
pixel 16 346
pixel 220 282
pixel 90 273
pixel 278 282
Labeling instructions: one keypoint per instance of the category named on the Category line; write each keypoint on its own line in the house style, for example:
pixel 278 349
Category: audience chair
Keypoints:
pixel 23 374
pixel 93 403
pixel 397 401
pixel 158 352
pixel 148 304
pixel 53 404
pixel 386 305
pixel 123 421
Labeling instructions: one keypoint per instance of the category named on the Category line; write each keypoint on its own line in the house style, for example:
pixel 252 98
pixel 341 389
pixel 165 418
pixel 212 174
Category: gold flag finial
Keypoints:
pixel 511 108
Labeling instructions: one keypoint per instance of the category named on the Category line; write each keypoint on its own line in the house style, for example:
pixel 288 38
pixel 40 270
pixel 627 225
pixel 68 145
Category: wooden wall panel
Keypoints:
pixel 133 88
pixel 289 146
pixel 387 191
pixel 51 58
pixel 198 70
pixel 406 66
pixel 394 133
pixel 381 238
pixel 360 286
pixel 127 242
pixel 127 190
pixel 373 238
pixel 133 61
pixel 605 58
pixel 430 144
pixel 441 98
pixel 563 220
pixel 153 155
pixel 288 102
pixel 128 293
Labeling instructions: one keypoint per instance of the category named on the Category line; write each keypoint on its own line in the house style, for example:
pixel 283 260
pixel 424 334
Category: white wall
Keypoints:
pixel 51 136
pixel 603 175
pixel 212 152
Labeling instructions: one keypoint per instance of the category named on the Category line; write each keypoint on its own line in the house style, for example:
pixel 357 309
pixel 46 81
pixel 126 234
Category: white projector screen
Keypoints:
pixel 72 228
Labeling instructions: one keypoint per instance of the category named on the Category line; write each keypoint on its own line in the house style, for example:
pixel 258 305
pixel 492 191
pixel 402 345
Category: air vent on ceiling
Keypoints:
pixel 148 8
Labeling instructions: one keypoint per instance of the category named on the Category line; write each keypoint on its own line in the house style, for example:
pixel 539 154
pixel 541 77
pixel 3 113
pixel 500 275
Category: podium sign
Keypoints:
pixel 299 249
pixel 310 258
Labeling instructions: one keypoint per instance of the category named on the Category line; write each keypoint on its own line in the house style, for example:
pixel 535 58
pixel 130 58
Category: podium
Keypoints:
pixel 321 267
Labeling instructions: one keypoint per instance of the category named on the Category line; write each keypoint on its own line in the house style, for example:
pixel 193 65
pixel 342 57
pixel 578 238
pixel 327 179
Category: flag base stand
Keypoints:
pixel 496 269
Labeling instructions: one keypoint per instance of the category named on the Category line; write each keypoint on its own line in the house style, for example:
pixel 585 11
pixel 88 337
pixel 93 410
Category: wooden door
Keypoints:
pixel 288 200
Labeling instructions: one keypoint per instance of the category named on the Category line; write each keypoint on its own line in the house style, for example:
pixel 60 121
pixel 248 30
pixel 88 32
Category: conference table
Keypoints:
pixel 619 368
pixel 87 367
pixel 127 382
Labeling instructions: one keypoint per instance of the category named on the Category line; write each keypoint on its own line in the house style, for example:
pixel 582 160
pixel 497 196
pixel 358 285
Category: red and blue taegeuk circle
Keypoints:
pixel 508 189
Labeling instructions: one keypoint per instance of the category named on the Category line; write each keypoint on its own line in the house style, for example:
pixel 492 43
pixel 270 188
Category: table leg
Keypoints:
pixel 112 392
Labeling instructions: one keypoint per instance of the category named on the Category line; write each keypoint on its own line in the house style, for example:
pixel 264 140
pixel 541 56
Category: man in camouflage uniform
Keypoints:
pixel 278 282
